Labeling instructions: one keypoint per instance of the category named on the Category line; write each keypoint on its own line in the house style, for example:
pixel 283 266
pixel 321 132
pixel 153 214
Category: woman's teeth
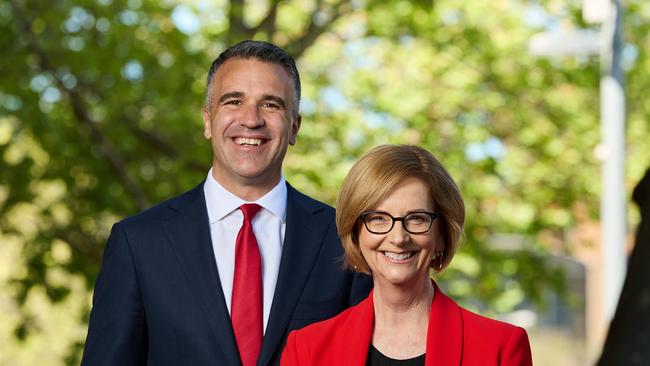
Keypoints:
pixel 398 256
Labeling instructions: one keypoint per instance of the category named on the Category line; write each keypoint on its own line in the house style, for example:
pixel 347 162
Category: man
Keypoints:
pixel 222 273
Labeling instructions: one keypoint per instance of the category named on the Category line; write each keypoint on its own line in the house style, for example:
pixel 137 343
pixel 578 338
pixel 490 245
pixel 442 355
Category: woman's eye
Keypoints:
pixel 376 218
pixel 416 219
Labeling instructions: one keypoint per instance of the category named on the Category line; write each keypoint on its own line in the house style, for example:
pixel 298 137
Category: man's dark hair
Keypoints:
pixel 262 51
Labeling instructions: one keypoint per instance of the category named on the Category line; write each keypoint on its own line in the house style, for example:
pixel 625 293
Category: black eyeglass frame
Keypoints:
pixel 433 216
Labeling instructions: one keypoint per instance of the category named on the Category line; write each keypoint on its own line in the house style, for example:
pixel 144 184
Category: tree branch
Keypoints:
pixel 236 19
pixel 300 45
pixel 72 237
pixel 156 141
pixel 116 162
pixel 151 137
pixel 267 24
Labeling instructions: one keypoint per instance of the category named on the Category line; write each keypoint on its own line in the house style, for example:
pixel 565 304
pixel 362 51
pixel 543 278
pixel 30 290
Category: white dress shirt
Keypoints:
pixel 268 225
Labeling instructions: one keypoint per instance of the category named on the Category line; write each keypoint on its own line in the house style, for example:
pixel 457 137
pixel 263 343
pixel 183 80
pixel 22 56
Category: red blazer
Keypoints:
pixel 455 336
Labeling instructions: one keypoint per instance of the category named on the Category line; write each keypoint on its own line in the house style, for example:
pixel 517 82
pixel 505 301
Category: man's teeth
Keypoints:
pixel 247 141
pixel 398 256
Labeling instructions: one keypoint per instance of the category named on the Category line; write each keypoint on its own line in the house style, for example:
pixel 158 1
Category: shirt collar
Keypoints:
pixel 221 202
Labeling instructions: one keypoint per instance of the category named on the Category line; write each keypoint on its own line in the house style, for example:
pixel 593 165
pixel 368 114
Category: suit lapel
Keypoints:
pixel 189 233
pixel 445 331
pixel 303 238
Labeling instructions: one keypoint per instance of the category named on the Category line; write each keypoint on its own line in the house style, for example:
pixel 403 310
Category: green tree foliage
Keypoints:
pixel 100 117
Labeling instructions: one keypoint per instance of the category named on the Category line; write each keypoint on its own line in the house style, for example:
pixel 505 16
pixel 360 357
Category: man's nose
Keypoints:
pixel 251 116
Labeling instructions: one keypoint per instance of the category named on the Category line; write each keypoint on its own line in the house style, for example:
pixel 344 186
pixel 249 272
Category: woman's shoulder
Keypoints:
pixel 340 322
pixel 494 339
pixel 488 325
pixel 490 339
pixel 471 322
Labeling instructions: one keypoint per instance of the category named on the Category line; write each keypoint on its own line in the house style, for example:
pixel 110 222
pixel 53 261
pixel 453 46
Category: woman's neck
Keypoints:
pixel 402 318
pixel 389 298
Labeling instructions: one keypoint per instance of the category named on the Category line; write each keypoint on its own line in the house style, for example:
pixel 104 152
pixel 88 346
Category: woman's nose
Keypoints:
pixel 398 235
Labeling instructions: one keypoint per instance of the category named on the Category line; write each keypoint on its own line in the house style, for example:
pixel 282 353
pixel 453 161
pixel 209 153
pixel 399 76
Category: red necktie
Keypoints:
pixel 246 305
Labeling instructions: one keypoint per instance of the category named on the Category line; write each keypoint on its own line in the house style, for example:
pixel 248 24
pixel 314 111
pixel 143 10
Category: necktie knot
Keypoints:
pixel 250 210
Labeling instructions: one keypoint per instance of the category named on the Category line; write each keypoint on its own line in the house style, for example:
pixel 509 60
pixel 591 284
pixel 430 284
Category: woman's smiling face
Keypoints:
pixel 399 257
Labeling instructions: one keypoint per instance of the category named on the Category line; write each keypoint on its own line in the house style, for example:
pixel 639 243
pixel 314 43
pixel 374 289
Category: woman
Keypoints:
pixel 399 215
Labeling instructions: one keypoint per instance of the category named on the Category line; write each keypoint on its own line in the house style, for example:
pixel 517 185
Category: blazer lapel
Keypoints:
pixel 303 236
pixel 445 331
pixel 358 334
pixel 189 233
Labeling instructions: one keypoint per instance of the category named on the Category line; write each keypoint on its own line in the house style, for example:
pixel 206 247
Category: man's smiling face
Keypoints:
pixel 250 121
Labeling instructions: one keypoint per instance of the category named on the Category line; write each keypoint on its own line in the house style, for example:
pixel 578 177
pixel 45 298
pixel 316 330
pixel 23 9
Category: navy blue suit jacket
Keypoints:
pixel 158 298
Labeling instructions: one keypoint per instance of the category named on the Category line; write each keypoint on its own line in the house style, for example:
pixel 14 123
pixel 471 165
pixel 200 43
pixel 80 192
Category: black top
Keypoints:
pixel 376 358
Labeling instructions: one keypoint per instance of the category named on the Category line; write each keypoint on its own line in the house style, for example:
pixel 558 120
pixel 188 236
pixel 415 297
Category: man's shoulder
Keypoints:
pixel 165 209
pixel 294 196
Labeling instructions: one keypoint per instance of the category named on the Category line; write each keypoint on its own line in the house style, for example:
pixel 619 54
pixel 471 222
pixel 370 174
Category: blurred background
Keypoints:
pixel 100 118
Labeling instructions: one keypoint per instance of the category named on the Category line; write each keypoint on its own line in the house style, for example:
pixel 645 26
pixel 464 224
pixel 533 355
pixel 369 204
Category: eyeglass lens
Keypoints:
pixel 382 222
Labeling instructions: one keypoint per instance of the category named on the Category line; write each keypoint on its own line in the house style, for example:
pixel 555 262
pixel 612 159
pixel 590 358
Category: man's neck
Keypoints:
pixel 248 189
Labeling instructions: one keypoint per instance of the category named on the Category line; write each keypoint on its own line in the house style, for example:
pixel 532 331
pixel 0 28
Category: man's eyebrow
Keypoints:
pixel 226 96
pixel 275 99
pixel 269 97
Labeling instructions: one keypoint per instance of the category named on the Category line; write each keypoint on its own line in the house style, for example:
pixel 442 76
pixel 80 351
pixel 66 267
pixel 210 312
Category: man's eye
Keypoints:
pixel 233 102
pixel 270 105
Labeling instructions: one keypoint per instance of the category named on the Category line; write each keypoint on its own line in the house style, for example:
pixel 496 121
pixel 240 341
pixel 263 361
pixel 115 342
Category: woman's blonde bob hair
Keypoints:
pixel 375 176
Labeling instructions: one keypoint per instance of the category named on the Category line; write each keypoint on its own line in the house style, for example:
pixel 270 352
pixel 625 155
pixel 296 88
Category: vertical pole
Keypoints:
pixel 613 201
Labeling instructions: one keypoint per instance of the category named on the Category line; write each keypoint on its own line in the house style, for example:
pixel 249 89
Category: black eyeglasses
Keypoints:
pixel 379 222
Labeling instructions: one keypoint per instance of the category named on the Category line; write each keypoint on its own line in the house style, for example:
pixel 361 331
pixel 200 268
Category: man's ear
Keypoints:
pixel 207 125
pixel 295 126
